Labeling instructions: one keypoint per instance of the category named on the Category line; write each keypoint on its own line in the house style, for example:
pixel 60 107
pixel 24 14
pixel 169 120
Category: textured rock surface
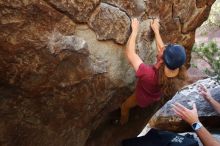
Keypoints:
pixel 197 14
pixel 110 23
pixel 58 42
pixel 79 10
pixel 132 8
pixel 61 85
pixel 166 119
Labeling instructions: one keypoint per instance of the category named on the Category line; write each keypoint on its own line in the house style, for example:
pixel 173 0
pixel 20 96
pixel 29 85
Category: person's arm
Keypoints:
pixel 208 97
pixel 133 58
pixel 214 103
pixel 206 138
pixel 191 116
pixel 159 42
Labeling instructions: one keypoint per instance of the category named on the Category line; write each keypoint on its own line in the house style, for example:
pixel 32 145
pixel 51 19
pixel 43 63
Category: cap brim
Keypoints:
pixel 171 73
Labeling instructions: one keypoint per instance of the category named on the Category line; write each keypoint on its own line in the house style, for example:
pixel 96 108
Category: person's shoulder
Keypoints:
pixel 145 70
pixel 145 66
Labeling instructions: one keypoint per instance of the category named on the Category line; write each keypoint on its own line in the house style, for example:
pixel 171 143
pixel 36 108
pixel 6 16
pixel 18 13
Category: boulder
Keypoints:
pixel 63 72
pixel 166 119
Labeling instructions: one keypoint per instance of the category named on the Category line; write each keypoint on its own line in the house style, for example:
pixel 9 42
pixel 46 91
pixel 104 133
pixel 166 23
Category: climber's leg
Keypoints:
pixel 129 103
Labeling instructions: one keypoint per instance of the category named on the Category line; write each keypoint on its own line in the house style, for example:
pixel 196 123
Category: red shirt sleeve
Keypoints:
pixel 144 69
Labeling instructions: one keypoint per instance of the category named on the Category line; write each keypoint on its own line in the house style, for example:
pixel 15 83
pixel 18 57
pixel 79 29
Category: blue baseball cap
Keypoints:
pixel 174 56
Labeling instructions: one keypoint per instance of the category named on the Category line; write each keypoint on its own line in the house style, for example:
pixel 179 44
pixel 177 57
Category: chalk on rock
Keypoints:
pixel 58 42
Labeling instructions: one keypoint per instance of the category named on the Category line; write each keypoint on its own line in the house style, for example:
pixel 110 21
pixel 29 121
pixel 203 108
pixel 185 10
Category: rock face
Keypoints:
pixel 166 119
pixel 78 10
pixel 110 22
pixel 63 72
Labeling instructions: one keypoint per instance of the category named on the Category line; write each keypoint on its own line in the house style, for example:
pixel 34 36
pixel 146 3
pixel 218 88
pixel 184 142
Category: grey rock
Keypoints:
pixel 146 46
pixel 187 96
pixel 57 42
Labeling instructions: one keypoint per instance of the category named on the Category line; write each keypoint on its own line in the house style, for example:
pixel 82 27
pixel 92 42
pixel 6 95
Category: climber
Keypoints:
pixel 162 79
pixel 191 117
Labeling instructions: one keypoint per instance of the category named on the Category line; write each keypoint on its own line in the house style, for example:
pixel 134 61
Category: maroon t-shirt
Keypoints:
pixel 147 88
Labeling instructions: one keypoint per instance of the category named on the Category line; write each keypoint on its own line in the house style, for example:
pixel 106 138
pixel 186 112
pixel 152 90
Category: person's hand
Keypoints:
pixel 155 25
pixel 204 92
pixel 190 116
pixel 134 25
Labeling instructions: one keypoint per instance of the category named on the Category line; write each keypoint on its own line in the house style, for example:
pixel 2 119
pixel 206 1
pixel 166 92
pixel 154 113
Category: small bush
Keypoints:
pixel 211 53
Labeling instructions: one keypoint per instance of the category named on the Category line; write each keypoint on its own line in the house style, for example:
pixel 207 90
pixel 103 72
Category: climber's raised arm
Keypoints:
pixel 133 57
pixel 159 42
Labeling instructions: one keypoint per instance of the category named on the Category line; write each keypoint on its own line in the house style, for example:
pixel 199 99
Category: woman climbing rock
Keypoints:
pixel 162 79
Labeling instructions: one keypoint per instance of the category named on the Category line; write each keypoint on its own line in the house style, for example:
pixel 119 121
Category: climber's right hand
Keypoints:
pixel 155 25
pixel 134 25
